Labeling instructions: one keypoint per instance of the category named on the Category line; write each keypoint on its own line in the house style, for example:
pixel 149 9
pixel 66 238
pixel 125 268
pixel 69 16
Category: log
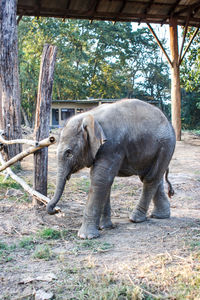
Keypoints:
pixel 25 186
pixel 44 143
pixel 42 118
pixel 9 77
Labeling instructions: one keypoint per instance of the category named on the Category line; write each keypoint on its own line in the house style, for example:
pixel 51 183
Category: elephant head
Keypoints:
pixel 79 143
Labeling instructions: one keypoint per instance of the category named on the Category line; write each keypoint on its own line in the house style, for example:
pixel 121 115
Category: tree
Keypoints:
pixel 98 60
pixel 9 76
pixel 190 78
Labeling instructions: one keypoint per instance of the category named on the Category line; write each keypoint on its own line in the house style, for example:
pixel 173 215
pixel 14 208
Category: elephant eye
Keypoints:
pixel 68 153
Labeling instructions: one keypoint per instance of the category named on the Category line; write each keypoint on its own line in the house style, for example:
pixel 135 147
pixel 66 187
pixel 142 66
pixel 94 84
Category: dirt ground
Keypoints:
pixel 42 258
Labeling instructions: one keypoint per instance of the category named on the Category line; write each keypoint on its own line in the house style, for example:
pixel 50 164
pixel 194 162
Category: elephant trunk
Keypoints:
pixel 60 184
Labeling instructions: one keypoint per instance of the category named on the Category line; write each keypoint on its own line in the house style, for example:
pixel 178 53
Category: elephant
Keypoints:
pixel 127 137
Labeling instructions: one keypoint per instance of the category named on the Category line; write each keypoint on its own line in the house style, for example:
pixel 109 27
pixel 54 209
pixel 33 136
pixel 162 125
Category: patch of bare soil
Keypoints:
pixel 157 259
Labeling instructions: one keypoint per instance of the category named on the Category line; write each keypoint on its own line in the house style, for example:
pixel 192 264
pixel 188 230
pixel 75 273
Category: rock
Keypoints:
pixel 42 277
pixel 43 295
pixel 46 277
pixel 14 193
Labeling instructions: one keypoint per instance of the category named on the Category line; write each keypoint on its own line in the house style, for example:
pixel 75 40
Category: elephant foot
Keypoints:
pixel 88 232
pixel 137 217
pixel 160 214
pixel 106 223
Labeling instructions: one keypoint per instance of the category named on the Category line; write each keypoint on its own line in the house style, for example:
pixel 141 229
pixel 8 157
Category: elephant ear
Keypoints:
pixel 94 132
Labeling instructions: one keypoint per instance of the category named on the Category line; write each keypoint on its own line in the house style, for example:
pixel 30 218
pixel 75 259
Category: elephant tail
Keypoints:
pixel 170 188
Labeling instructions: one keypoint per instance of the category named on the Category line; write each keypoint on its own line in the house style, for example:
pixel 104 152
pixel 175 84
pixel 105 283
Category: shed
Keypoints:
pixel 61 110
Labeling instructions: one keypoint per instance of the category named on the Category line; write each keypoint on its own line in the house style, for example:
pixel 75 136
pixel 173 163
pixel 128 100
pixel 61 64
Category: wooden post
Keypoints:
pixel 1 115
pixel 175 79
pixel 42 117
pixel 9 76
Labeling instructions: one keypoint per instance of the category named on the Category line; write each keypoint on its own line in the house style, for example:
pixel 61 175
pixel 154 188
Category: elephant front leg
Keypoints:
pixel 161 204
pixel 148 192
pixel 91 220
pixel 105 221
pixel 102 175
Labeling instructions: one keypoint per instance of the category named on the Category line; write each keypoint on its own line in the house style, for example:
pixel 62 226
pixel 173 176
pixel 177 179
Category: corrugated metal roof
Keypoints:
pixel 95 101
pixel 148 11
pixel 87 101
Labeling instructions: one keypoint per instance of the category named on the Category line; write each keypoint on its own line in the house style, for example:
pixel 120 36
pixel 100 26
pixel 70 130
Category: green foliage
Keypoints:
pixel 8 183
pixel 92 245
pixel 190 112
pixel 83 185
pixel 27 243
pixel 5 251
pixel 50 233
pixel 42 252
pixel 99 60
pixel 3 246
pixel 190 78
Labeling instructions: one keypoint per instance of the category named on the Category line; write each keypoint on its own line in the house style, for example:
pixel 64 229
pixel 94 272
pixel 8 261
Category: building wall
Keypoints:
pixel 78 107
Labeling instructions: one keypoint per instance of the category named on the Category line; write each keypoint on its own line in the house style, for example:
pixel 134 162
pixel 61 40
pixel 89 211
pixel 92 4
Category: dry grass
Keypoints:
pixel 157 259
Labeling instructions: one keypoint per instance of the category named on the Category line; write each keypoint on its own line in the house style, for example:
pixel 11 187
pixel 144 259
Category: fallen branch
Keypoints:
pixel 25 186
pixel 19 141
pixel 44 143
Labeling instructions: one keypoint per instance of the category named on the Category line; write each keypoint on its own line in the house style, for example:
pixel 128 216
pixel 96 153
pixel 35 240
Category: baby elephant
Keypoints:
pixel 129 137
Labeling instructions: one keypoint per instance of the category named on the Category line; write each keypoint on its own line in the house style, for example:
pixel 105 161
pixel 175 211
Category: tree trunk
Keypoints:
pixel 1 115
pixel 175 80
pixel 9 77
pixel 26 121
pixel 42 116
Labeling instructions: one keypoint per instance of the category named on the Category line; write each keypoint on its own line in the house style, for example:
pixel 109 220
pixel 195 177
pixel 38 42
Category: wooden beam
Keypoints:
pixel 109 16
pixel 189 44
pixel 68 4
pixel 124 2
pixel 171 11
pixel 173 7
pixel 159 43
pixel 37 10
pixel 184 36
pixel 148 7
pixel 19 19
pixel 175 79
pixel 188 7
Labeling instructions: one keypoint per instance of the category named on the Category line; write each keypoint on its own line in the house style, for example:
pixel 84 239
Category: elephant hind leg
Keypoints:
pixel 161 204
pixel 151 181
pixel 158 167
pixel 139 214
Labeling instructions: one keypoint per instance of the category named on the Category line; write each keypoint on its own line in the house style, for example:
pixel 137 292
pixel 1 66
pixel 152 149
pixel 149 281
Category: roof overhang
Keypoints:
pixel 141 11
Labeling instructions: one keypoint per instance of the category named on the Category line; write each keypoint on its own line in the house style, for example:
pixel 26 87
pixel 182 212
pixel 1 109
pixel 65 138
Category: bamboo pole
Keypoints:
pixel 44 143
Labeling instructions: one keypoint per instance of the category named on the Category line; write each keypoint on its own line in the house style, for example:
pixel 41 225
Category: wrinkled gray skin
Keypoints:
pixel 129 137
